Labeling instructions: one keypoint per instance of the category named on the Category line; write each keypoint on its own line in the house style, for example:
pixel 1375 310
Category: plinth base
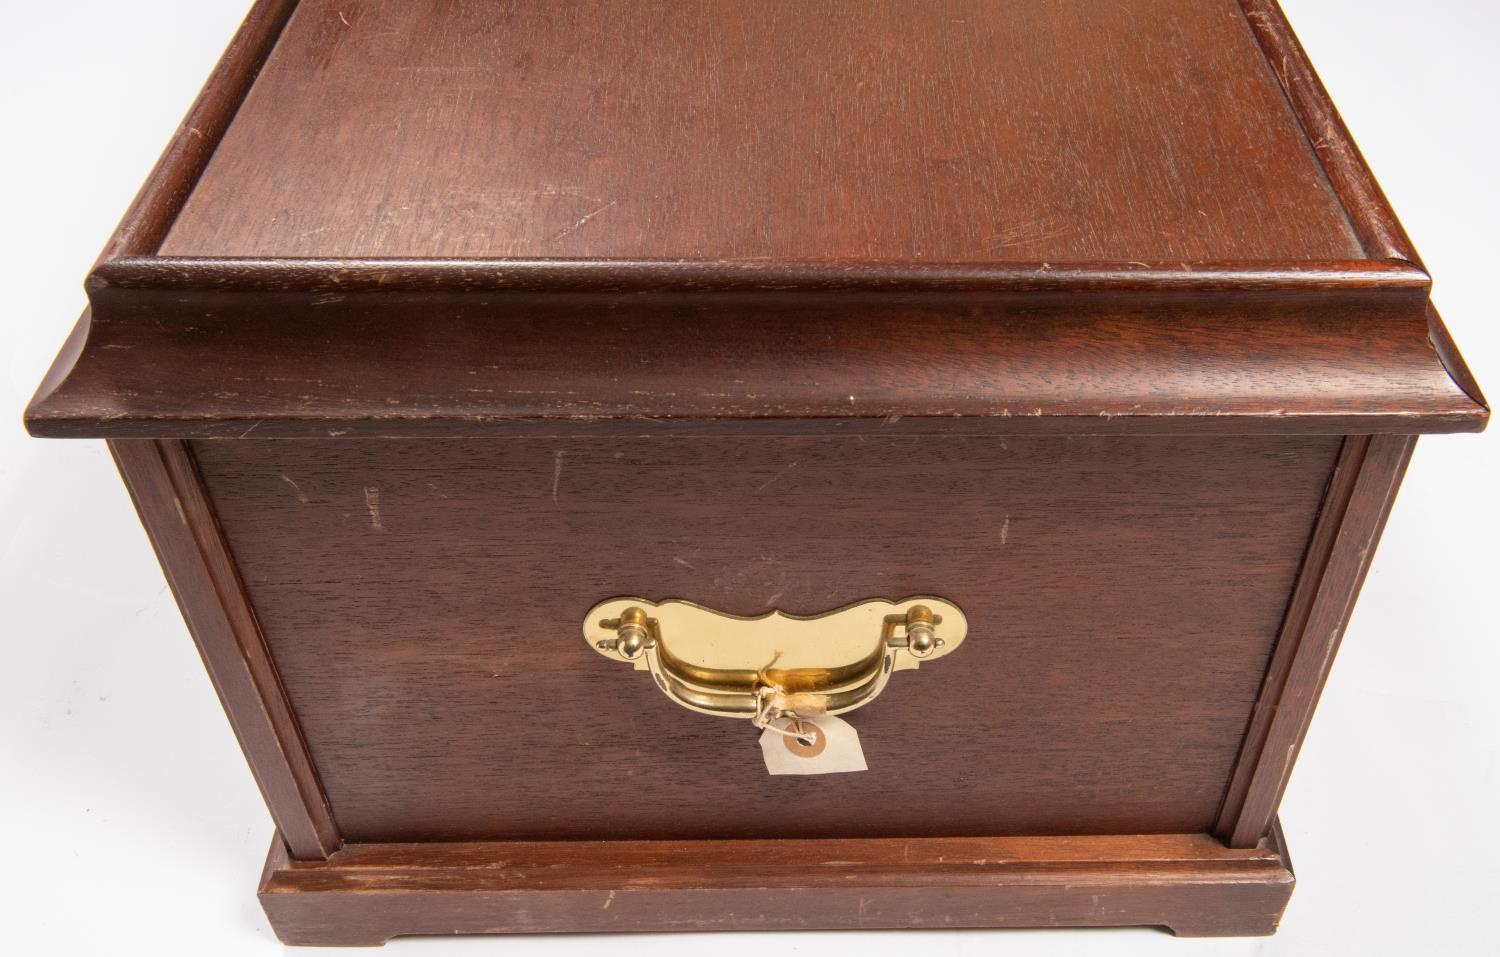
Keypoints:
pixel 1189 884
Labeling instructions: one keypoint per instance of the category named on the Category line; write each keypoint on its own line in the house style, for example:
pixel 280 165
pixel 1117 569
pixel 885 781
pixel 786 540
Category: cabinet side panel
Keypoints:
pixel 423 600
pixel 1360 495
pixel 165 486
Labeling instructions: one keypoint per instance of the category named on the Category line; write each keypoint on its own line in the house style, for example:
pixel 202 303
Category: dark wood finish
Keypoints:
pixel 1453 363
pixel 423 601
pixel 1189 884
pixel 1380 233
pixel 935 130
pixel 1089 317
pixel 177 172
pixel 1243 274
pixel 261 363
pixel 179 519
pixel 1359 500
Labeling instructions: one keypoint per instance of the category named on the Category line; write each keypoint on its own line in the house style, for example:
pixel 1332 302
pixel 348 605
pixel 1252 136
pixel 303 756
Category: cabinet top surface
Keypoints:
pixel 889 130
pixel 399 217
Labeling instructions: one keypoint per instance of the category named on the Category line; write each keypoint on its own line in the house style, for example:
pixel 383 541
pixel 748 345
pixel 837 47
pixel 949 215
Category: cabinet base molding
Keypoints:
pixel 1189 884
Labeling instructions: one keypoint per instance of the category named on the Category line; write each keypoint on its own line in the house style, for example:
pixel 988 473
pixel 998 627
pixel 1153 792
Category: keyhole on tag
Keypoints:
pixel 805 741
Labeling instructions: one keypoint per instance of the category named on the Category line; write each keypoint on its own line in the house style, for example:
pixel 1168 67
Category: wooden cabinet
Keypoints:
pixel 439 324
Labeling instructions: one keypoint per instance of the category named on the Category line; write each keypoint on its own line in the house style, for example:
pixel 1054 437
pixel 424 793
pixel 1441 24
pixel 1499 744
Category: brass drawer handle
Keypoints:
pixel 775 664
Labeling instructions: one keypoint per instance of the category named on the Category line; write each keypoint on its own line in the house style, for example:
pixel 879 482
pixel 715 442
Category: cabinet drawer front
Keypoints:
pixel 422 600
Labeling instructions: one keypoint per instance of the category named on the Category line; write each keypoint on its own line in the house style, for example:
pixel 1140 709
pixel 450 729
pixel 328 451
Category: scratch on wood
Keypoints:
pixel 372 502
pixel 1005 530
pixel 301 496
pixel 684 564
pixel 556 475
pixel 767 483
pixel 585 219
pixel 609 900
pixel 1025 233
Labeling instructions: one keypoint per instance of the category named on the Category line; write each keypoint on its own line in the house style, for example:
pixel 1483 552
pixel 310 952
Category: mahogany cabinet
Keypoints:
pixel 533 403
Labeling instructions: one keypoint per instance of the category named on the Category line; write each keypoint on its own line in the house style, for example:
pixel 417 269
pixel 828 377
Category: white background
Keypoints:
pixel 133 826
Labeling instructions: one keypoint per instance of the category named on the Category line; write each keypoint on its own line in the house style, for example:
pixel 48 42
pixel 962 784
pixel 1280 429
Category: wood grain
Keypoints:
pixel 176 174
pixel 1089 317
pixel 179 519
pixel 266 366
pixel 1360 496
pixel 366 894
pixel 1380 233
pixel 939 130
pixel 423 601
pixel 1221 259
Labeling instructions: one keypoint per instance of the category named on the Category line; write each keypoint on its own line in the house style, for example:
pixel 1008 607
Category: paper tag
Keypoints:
pixel 831 748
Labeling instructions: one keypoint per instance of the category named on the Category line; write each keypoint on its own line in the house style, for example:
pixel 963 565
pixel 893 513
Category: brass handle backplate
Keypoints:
pixel 775 664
